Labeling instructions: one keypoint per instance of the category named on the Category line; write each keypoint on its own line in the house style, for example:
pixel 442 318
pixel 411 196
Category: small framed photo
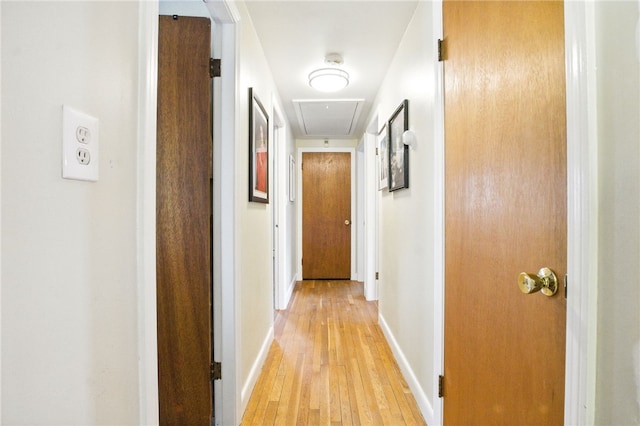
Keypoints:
pixel 398 151
pixel 258 150
pixel 383 158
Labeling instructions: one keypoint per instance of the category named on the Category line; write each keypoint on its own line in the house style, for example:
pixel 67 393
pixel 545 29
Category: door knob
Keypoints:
pixel 347 222
pixel 546 282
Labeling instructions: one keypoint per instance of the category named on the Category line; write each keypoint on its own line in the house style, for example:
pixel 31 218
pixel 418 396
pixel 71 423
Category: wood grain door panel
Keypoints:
pixel 183 215
pixel 326 205
pixel 505 206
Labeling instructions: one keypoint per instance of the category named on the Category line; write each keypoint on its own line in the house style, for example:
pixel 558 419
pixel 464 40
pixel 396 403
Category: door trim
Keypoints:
pixel 301 150
pixel 582 197
pixel 370 199
pixel 582 211
pixel 282 293
pixel 146 217
pixel 438 218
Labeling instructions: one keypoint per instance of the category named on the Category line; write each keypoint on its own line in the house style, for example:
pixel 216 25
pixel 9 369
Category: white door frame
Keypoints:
pixel 582 197
pixel 360 212
pixel 146 214
pixel 371 198
pixel 280 198
pixel 225 15
pixel 352 151
pixel 582 212
pixel 274 199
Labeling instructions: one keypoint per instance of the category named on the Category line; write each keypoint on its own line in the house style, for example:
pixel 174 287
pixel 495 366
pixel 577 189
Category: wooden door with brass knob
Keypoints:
pixel 326 215
pixel 505 211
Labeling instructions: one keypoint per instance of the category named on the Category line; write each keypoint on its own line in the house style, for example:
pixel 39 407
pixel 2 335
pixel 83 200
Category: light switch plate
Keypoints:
pixel 80 143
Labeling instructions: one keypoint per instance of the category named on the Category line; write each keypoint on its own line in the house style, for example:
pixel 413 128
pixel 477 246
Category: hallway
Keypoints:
pixel 330 364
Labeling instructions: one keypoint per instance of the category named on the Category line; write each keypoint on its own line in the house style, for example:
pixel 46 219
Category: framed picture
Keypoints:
pixel 292 178
pixel 398 151
pixel 383 158
pixel 258 150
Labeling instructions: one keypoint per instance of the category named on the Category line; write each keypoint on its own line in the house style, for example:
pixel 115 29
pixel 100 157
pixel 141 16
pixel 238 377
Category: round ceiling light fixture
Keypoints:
pixel 329 79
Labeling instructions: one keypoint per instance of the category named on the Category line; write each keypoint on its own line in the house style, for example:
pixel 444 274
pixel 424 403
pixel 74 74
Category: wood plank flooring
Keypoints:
pixel 330 364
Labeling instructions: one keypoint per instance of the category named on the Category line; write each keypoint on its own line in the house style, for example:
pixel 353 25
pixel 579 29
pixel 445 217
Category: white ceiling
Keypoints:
pixel 296 35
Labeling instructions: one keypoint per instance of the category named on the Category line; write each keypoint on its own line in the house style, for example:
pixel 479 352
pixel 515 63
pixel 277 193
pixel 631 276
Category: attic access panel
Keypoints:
pixel 328 117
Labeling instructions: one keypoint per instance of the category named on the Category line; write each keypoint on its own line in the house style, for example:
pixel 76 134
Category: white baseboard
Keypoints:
pixel 421 398
pixel 256 369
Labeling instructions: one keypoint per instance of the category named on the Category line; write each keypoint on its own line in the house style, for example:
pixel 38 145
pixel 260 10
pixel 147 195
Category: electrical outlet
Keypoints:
pixel 83 134
pixel 79 145
pixel 84 156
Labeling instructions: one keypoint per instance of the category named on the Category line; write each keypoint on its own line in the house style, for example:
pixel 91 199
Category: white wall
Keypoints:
pixel 406 216
pixel 327 143
pixel 254 287
pixel 618 109
pixel 69 325
pixel 185 8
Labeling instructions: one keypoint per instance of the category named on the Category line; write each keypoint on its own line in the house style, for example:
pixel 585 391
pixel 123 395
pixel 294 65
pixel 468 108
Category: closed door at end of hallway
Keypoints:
pixel 326 215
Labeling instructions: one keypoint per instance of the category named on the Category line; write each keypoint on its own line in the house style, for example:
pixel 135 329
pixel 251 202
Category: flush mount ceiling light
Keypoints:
pixel 329 79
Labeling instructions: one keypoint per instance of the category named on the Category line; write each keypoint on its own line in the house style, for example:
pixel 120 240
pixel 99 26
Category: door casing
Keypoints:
pixel 282 289
pixel 370 199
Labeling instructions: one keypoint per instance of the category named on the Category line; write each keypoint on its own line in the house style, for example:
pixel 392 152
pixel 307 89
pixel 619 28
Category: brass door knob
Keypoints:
pixel 545 282
pixel 347 222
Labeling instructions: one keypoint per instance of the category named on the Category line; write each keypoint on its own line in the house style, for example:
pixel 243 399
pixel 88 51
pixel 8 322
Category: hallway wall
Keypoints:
pixel 69 303
pixel 618 111
pixel 253 227
pixel 407 216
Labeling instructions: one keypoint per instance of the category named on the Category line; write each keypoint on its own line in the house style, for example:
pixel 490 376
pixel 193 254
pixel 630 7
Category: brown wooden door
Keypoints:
pixel 505 211
pixel 183 212
pixel 326 205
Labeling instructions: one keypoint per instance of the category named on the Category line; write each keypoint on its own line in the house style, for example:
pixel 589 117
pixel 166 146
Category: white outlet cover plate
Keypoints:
pixel 80 155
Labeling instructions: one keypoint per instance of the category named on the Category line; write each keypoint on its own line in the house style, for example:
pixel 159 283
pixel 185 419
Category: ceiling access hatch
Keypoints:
pixel 328 117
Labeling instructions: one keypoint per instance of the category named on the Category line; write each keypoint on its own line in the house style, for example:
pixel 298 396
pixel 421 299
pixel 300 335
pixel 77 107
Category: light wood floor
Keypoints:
pixel 330 364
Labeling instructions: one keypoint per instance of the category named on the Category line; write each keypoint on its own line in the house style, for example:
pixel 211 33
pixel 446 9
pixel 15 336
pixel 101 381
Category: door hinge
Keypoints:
pixel 214 67
pixel 377 151
pixel 216 371
pixel 566 285
pixel 440 386
pixel 377 275
pixel 440 50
